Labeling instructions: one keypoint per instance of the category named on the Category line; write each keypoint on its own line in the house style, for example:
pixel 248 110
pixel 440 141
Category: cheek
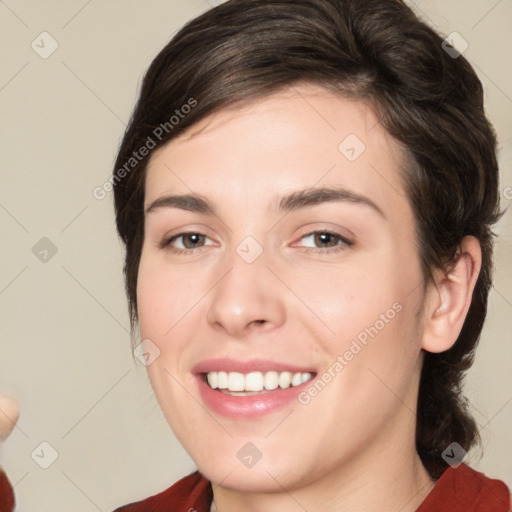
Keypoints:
pixel 350 298
pixel 367 314
pixel 163 297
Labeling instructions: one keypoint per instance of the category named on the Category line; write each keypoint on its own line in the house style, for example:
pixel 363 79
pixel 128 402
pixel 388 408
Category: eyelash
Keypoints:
pixel 345 242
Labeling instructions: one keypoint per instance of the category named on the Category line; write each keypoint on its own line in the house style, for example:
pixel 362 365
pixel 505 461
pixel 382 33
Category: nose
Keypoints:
pixel 247 298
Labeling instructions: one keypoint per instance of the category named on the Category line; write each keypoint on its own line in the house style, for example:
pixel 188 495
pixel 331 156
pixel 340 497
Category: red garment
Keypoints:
pixel 464 489
pixel 6 493
pixel 458 490
pixel 192 493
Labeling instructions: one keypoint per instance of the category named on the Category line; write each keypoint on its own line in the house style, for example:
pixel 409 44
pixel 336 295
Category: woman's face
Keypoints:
pixel 277 281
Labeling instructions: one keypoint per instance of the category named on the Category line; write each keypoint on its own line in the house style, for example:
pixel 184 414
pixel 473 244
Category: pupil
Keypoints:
pixel 193 237
pixel 324 238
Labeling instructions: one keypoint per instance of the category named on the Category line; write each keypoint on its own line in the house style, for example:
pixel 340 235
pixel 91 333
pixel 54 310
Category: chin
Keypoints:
pixel 261 478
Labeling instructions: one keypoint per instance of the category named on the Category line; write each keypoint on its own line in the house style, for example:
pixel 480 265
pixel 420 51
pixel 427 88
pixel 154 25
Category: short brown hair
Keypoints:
pixel 429 100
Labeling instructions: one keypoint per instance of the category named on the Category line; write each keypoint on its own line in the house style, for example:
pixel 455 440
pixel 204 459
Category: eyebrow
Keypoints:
pixel 293 201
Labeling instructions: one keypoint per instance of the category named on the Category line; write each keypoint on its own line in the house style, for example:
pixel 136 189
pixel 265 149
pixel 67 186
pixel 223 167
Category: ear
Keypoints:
pixel 449 297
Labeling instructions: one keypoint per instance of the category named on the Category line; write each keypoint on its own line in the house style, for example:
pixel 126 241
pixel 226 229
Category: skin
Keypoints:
pixel 299 302
pixel 9 414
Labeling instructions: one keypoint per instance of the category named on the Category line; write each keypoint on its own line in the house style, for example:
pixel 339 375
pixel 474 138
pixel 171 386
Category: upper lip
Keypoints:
pixel 254 365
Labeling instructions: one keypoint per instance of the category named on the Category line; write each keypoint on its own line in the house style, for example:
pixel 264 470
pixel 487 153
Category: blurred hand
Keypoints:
pixel 9 414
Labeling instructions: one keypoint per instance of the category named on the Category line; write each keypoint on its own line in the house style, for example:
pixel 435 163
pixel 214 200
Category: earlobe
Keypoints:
pixel 449 297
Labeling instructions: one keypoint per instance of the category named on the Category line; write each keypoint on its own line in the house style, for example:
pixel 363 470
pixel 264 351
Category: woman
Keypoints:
pixel 306 193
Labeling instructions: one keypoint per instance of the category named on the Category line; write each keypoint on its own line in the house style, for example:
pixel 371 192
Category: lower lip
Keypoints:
pixel 248 407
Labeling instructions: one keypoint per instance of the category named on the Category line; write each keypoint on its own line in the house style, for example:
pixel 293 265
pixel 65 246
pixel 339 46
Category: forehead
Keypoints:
pixel 300 136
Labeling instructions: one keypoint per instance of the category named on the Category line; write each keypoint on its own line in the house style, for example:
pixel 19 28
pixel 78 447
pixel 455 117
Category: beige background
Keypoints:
pixel 65 347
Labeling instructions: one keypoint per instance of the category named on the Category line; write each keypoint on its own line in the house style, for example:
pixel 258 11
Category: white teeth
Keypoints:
pixel 236 381
pixel 255 381
pixel 285 379
pixel 213 379
pixel 304 377
pixel 296 379
pixel 222 380
pixel 271 380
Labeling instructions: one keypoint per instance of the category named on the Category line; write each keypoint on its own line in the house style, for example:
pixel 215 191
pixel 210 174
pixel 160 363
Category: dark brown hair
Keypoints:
pixel 373 50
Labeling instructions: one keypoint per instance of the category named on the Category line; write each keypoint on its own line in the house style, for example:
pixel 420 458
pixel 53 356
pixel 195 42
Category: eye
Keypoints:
pixel 326 241
pixel 185 242
pixel 316 241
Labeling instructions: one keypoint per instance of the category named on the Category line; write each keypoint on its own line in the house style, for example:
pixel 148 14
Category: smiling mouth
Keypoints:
pixel 254 383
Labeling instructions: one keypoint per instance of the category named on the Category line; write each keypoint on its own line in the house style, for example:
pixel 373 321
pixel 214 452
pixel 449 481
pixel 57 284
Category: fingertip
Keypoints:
pixel 9 414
